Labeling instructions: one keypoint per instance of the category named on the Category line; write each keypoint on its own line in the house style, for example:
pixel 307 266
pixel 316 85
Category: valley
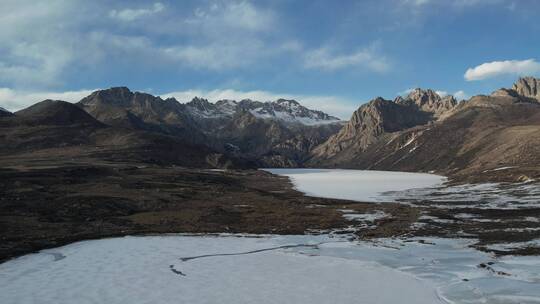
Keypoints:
pixel 421 170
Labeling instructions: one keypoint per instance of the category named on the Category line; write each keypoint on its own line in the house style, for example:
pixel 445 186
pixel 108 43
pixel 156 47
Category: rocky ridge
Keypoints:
pixel 468 141
pixel 380 117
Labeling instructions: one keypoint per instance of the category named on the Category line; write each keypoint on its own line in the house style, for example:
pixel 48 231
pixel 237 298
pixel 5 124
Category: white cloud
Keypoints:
pixel 219 17
pixel 41 40
pixel 454 3
pixel 14 100
pixel 333 105
pixel 507 67
pixel 325 59
pixel 461 95
pixel 36 44
pixel 441 93
pixel 416 2
pixel 129 14
pixel 216 56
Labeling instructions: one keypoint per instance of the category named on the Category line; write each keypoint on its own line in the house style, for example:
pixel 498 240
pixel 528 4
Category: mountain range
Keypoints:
pixel 421 131
pixel 474 139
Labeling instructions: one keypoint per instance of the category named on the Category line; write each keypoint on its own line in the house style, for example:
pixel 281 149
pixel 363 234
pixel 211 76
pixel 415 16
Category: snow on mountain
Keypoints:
pixel 289 111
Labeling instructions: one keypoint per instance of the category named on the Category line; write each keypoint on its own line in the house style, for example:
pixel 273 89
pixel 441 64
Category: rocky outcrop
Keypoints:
pixel 528 87
pixel 116 106
pixel 272 143
pixel 468 141
pixel 380 117
pixel 428 101
pixel 284 110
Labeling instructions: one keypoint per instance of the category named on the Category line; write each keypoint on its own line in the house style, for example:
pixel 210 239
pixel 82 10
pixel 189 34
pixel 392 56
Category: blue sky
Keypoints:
pixel 330 55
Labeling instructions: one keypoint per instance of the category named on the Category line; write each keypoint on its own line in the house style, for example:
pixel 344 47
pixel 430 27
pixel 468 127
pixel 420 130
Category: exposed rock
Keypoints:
pixel 119 107
pixel 379 117
pixel 287 111
pixel 428 101
pixel 528 87
pixel 482 133
pixel 503 92
pixel 253 128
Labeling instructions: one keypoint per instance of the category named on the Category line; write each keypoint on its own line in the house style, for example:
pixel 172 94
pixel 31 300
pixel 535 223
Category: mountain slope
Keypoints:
pixel 119 107
pixel 284 110
pixel 55 112
pixel 270 142
pixel 378 118
pixel 469 141
pixel 279 133
pixel 57 129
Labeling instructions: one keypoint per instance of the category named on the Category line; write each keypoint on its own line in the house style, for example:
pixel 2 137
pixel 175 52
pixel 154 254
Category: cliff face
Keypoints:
pixel 381 117
pixel 528 87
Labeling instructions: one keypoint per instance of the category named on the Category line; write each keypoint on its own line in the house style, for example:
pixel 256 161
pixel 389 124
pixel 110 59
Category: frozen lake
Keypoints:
pixel 267 269
pixel 358 185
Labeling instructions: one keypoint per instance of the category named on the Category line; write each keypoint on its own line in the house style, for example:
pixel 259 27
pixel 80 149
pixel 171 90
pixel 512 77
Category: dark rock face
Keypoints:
pixel 5 113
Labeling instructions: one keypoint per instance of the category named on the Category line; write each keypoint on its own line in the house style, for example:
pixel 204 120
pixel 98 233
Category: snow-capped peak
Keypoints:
pixel 290 111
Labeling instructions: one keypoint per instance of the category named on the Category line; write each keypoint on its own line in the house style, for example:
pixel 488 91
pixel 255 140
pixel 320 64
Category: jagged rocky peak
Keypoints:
pixel 116 95
pixel 201 107
pixel 293 111
pixel 428 101
pixel 528 87
pixel 503 92
pixel 226 102
pixel 285 110
pixel 201 104
pixel 124 98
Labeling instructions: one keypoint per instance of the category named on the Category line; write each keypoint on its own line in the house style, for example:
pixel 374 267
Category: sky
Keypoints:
pixel 329 55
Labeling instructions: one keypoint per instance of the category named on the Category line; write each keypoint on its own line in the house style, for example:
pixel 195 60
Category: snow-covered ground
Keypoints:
pixel 388 186
pixel 151 270
pixel 487 195
pixel 268 269
pixel 359 185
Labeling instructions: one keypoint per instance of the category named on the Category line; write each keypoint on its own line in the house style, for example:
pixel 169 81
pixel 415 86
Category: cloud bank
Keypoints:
pixel 129 14
pixel 498 68
pixel 14 100
pixel 326 59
